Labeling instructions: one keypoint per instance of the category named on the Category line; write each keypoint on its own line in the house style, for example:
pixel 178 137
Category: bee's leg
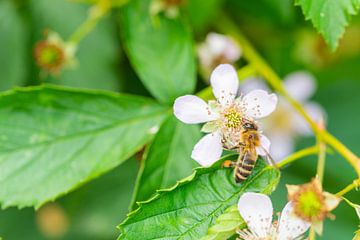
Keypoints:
pixel 228 163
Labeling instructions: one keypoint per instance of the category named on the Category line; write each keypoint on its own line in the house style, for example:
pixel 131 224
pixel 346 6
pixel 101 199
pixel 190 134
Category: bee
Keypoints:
pixel 249 141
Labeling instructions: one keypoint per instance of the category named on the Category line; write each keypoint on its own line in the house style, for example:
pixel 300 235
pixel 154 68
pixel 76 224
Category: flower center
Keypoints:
pixel 309 203
pixel 232 118
pixel 49 56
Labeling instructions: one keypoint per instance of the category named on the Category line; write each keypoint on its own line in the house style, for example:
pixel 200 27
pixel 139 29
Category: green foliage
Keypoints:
pixel 66 137
pixel 13 43
pixel 95 69
pixel 330 17
pixel 226 225
pixel 160 50
pixel 190 207
pixel 168 158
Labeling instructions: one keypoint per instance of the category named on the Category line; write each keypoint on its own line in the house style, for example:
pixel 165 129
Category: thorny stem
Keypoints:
pixel 348 188
pixel 298 155
pixel 228 27
pixel 96 12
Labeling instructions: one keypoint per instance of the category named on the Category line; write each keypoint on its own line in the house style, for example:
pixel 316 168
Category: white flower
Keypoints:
pixel 223 117
pixel 256 209
pixel 217 49
pixel 285 124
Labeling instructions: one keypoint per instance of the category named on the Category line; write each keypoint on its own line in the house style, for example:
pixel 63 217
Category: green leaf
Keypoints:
pixel 329 17
pixel 98 69
pixel 202 12
pixel 161 167
pixel 189 208
pixel 54 139
pixel 161 52
pixel 13 47
pixel 226 225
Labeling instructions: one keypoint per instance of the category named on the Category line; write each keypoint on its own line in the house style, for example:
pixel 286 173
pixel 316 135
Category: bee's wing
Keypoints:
pixel 268 158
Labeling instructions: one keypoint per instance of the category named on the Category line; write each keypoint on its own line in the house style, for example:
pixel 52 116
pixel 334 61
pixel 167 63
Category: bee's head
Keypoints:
pixel 247 125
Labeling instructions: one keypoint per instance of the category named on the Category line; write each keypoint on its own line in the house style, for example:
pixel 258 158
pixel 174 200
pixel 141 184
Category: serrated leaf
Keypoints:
pixel 161 53
pixel 226 225
pixel 54 139
pixel 189 208
pixel 161 167
pixel 13 47
pixel 329 17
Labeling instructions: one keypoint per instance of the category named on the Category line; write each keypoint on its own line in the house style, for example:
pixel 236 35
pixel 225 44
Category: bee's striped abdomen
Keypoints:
pixel 244 167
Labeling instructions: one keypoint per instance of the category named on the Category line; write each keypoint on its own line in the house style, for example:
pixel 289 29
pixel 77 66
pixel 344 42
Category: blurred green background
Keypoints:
pixel 276 28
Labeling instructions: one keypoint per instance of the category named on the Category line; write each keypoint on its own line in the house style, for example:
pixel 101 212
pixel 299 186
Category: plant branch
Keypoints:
pixel 96 12
pixel 297 155
pixel 348 188
pixel 228 27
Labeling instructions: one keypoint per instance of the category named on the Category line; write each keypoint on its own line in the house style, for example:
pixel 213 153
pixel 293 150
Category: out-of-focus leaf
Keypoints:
pixel 92 211
pixel 161 167
pixel 54 139
pixel 95 209
pixel 226 225
pixel 160 50
pixel 329 17
pixel 115 3
pixel 189 208
pixel 98 54
pixel 201 12
pixel 13 47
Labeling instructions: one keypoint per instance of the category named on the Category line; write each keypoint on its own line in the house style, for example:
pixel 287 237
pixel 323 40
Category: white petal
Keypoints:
pixel 217 43
pixel 208 150
pixel 225 83
pixel 264 148
pixel 316 113
pixel 301 85
pixel 256 209
pixel 290 226
pixel 282 145
pixel 192 109
pixel 259 103
pixel 252 83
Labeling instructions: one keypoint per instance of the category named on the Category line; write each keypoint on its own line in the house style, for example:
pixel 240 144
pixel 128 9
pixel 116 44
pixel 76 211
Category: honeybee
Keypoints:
pixel 249 141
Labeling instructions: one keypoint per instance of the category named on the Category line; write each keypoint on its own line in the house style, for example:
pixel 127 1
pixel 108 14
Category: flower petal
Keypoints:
pixel 264 148
pixel 208 150
pixel 301 85
pixel 290 226
pixel 282 145
pixel 256 209
pixel 316 113
pixel 192 109
pixel 259 103
pixel 225 83
pixel 252 83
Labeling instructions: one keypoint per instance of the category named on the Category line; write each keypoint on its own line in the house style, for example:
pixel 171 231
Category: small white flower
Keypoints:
pixel 285 124
pixel 256 209
pixel 223 117
pixel 217 49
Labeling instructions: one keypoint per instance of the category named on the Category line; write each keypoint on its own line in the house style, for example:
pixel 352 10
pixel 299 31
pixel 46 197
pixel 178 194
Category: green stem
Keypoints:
pixel 348 188
pixel 226 26
pixel 297 155
pixel 96 12
pixel 322 155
